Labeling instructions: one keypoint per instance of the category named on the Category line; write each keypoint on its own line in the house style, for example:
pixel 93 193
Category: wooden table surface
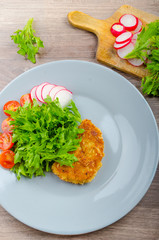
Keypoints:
pixel 62 41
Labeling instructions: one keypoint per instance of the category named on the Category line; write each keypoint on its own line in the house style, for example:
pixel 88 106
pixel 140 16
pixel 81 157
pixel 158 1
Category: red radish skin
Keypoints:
pixel 32 93
pixel 54 90
pixel 125 50
pixel 38 91
pixel 69 91
pixel 117 29
pixel 129 21
pixel 119 46
pixel 124 37
pixel 64 97
pixel 42 91
pixel 46 89
pixel 139 27
pixel 135 62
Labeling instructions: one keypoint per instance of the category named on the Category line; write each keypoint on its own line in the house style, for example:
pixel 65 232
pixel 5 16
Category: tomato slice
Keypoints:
pixel 25 98
pixel 7 159
pixel 6 127
pixel 12 106
pixel 6 141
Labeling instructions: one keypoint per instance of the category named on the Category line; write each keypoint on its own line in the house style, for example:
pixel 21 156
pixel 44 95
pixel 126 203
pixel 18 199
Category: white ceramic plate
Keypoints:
pixel 131 153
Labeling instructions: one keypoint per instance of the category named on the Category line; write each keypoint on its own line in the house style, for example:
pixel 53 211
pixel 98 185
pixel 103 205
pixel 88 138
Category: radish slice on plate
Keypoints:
pixel 118 46
pixel 139 27
pixel 125 50
pixel 124 37
pixel 64 97
pixel 54 90
pixel 135 62
pixel 46 90
pixel 117 29
pixel 38 91
pixel 32 93
pixel 129 21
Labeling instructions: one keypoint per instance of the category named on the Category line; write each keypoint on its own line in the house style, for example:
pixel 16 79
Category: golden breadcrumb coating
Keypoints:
pixel 89 154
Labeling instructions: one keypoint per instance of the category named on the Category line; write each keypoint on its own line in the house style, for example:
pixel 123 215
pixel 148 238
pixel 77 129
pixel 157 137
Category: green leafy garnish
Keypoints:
pixel 29 44
pixel 147 47
pixel 44 134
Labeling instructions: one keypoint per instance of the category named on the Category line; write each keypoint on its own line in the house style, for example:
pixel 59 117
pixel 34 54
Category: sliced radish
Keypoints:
pixel 46 90
pixel 64 97
pixel 54 90
pixel 135 62
pixel 139 27
pixel 124 37
pixel 117 29
pixel 133 41
pixel 38 91
pixel 32 93
pixel 129 21
pixel 134 37
pixel 125 50
pixel 118 46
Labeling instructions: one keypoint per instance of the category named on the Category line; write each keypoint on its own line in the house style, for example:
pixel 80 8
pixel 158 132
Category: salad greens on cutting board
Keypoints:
pixel 147 47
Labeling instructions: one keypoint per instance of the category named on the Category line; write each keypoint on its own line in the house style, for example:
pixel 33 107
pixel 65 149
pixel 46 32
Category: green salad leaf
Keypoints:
pixel 44 134
pixel 147 47
pixel 28 44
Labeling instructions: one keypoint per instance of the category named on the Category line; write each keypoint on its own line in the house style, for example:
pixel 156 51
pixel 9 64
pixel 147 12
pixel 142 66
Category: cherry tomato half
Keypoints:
pixel 7 159
pixel 6 141
pixel 25 98
pixel 6 127
pixel 12 106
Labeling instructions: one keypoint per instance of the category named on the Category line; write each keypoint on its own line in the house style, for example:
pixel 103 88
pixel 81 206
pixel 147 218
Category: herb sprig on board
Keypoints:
pixel 28 44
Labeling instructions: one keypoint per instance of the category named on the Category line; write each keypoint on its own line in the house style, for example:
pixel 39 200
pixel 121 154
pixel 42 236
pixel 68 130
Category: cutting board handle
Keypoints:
pixel 86 22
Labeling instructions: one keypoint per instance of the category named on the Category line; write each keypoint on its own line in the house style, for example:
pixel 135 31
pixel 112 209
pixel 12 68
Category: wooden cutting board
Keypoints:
pixel 106 53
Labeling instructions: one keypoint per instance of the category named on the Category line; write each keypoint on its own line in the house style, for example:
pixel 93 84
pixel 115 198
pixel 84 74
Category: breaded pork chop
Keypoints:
pixel 89 154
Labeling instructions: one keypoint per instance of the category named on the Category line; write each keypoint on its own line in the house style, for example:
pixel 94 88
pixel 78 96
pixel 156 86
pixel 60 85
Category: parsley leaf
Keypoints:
pixel 147 47
pixel 44 134
pixel 29 44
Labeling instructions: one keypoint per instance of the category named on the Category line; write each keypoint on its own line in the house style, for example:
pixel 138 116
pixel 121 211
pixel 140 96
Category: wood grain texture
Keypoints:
pixel 63 41
pixel 106 53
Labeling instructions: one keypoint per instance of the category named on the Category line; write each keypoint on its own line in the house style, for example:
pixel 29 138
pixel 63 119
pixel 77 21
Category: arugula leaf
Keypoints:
pixel 29 44
pixel 147 47
pixel 44 134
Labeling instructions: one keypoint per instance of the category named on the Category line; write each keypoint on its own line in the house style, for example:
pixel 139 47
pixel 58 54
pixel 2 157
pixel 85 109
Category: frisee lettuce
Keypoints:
pixel 147 47
pixel 28 44
pixel 44 134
